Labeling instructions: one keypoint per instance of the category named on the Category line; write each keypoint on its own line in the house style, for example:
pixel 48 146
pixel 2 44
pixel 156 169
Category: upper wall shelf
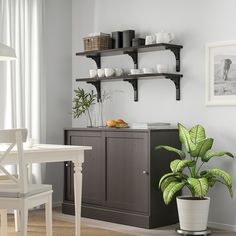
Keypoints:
pixel 133 52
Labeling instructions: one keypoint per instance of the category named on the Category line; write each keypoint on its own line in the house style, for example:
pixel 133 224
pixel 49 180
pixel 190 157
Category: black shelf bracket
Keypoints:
pixel 97 59
pixel 134 56
pixel 176 52
pixel 97 85
pixel 134 83
pixel 176 81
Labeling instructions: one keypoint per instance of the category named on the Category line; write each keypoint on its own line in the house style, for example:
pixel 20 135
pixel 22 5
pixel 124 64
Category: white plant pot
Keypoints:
pixel 193 213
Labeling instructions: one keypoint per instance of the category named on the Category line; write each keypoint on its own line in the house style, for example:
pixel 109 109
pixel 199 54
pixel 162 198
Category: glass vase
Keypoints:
pixel 100 114
pixel 89 119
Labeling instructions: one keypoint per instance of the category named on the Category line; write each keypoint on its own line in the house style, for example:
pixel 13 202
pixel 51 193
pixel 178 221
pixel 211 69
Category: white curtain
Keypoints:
pixel 21 24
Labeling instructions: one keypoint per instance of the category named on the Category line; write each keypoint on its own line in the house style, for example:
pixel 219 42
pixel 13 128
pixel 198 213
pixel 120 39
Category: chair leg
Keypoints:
pixel 3 213
pixel 17 220
pixel 48 216
pixel 23 221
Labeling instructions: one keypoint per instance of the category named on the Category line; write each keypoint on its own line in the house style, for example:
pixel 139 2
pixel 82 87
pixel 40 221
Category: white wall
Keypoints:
pixel 194 23
pixel 58 66
pixel 83 16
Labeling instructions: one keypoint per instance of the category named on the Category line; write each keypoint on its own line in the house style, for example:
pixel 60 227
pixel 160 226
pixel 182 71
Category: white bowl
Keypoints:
pixel 162 68
pixel 119 71
pixel 164 37
pixel 109 72
pixel 147 70
pixel 150 39
pixel 101 72
pixel 93 73
pixel 135 71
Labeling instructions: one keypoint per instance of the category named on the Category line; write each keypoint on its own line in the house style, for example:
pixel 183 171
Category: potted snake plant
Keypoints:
pixel 188 171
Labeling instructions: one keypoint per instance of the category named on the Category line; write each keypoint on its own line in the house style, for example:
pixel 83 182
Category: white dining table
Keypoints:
pixel 48 153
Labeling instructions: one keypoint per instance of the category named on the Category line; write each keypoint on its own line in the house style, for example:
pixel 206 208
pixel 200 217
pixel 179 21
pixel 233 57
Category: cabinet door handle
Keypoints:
pixel 145 172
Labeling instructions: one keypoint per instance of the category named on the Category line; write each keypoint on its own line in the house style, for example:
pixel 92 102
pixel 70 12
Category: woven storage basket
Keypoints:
pixel 97 43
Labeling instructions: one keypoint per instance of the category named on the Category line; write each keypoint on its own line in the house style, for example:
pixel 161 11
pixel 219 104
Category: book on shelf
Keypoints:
pixel 147 125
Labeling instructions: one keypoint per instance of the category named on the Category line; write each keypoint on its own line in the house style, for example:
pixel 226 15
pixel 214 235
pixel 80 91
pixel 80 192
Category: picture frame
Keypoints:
pixel 221 73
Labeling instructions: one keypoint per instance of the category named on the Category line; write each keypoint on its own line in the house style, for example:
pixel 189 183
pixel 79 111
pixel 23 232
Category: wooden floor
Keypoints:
pixel 164 231
pixel 36 227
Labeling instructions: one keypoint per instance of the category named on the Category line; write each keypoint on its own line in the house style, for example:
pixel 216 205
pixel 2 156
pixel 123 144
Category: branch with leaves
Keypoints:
pixel 198 181
pixel 82 102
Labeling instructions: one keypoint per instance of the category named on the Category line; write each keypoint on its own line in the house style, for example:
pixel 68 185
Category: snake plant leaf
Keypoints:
pixel 171 149
pixel 200 186
pixel 197 134
pixel 179 165
pixel 227 179
pixel 209 155
pixel 171 190
pixel 202 147
pixel 185 138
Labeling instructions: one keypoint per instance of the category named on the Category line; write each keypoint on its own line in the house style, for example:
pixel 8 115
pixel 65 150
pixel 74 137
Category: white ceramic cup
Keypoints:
pixel 109 72
pixel 135 71
pixel 30 143
pixel 150 39
pixel 93 73
pixel 101 72
pixel 162 68
pixel 163 37
pixel 147 70
pixel 119 71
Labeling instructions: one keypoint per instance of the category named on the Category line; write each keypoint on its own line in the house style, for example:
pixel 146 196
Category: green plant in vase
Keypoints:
pixel 82 102
pixel 188 171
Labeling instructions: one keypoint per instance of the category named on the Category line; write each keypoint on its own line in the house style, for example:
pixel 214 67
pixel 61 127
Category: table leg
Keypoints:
pixel 78 195
pixel 3 214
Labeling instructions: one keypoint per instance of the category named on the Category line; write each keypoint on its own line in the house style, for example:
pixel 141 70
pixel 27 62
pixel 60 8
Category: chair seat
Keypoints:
pixel 6 179
pixel 33 189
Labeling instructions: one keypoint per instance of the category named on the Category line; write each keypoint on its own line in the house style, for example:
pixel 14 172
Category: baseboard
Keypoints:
pixel 56 204
pixel 222 226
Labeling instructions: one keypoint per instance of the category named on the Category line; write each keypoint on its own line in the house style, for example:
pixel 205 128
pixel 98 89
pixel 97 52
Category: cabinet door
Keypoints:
pixel 127 179
pixel 93 166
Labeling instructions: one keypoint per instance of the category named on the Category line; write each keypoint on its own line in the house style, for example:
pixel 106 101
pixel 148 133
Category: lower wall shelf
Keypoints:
pixel 133 80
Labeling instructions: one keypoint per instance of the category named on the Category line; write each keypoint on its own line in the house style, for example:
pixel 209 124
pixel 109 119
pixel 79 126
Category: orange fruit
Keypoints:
pixel 120 121
pixel 122 125
pixel 111 123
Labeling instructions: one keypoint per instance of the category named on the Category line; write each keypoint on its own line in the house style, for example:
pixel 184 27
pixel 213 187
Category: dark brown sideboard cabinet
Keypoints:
pixel 121 175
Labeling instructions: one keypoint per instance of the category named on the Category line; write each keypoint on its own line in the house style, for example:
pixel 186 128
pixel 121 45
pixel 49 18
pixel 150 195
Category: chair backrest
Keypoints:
pixel 12 138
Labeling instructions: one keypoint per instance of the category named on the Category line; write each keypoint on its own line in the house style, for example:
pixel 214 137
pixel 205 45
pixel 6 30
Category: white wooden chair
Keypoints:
pixel 16 193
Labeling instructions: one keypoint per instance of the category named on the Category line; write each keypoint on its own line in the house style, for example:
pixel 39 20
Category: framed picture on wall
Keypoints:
pixel 221 73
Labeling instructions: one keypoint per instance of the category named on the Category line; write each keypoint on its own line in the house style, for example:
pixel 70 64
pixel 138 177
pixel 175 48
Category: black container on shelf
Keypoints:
pixel 128 35
pixel 138 42
pixel 117 39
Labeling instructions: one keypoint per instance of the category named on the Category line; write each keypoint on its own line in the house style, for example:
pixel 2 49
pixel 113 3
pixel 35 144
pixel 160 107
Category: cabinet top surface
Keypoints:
pixel 167 127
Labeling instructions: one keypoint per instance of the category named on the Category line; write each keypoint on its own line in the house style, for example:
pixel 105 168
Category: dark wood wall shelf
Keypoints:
pixel 133 80
pixel 133 53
